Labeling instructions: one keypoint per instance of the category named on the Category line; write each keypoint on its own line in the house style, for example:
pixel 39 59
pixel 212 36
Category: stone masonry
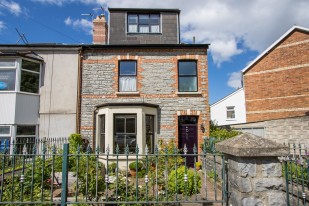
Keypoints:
pixel 254 171
pixel 157 77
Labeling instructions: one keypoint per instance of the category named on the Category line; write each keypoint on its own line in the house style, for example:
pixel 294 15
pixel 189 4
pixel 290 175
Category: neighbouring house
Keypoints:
pixel 38 91
pixel 140 85
pixel 230 109
pixel 276 86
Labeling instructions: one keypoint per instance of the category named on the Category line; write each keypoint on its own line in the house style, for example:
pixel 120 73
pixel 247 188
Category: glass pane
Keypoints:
pixel 155 19
pixel 150 132
pixel 155 29
pixel 130 125
pixel 127 84
pixel 7 80
pixel 29 82
pixel 131 142
pixel 187 84
pixel 33 66
pixel 4 130
pixel 144 29
pixel 4 143
pixel 102 133
pixel 143 19
pixel 119 125
pixel 127 68
pixel 26 130
pixel 132 19
pixel 7 63
pixel 187 68
pixel 230 114
pixel 132 28
pixel 120 141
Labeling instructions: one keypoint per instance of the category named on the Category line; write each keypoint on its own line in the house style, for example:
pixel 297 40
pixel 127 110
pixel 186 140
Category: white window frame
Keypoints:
pixel 230 109
pixel 11 68
pixel 140 113
pixel 18 72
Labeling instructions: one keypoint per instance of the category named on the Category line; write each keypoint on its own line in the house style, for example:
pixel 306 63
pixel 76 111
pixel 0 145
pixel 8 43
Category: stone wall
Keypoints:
pixel 287 130
pixel 254 172
pixel 157 83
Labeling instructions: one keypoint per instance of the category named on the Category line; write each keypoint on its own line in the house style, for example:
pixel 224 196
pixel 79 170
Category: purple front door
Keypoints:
pixel 187 130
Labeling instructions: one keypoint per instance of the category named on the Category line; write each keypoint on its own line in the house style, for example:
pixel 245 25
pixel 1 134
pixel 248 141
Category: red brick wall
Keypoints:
pixel 277 86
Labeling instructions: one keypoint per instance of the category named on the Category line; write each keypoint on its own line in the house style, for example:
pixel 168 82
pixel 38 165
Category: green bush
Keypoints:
pixel 132 166
pixel 193 184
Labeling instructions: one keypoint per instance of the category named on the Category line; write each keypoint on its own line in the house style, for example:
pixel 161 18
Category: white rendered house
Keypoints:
pixel 229 110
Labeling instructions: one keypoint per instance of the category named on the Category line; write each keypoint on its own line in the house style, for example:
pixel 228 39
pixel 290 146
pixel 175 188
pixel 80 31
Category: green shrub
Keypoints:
pixel 198 164
pixel 193 184
pixel 132 166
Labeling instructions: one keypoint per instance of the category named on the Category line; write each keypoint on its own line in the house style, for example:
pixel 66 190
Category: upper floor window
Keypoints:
pixel 127 76
pixel 7 74
pixel 187 76
pixel 30 77
pixel 29 80
pixel 144 23
pixel 230 112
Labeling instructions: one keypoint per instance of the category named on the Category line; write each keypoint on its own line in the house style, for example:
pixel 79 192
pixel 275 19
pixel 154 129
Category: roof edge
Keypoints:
pixel 273 45
pixel 227 96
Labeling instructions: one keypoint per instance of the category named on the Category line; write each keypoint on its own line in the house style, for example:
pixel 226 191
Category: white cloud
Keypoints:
pixel 234 80
pixel 2 26
pixel 231 27
pixel 79 24
pixel 11 6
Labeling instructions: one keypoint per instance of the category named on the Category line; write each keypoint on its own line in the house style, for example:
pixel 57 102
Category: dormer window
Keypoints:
pixel 143 23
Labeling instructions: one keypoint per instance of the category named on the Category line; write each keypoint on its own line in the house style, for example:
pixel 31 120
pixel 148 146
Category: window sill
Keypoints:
pixel 126 93
pixel 231 119
pixel 189 93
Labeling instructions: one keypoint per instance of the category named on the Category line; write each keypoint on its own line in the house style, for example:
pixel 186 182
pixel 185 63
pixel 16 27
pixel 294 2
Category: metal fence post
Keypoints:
pixel 64 186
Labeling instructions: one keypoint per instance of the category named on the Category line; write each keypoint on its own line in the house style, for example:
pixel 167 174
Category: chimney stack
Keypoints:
pixel 100 30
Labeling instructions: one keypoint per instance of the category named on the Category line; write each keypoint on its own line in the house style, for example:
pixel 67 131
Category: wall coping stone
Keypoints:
pixel 249 145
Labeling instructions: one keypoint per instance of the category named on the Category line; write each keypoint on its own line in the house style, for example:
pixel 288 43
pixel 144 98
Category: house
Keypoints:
pixel 139 85
pixel 135 85
pixel 276 87
pixel 38 91
pixel 230 109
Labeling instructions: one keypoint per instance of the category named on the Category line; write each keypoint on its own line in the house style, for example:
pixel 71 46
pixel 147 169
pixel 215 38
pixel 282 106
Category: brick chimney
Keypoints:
pixel 100 30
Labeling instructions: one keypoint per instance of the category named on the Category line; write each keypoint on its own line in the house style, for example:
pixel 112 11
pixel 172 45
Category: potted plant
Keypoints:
pixel 198 165
pixel 133 166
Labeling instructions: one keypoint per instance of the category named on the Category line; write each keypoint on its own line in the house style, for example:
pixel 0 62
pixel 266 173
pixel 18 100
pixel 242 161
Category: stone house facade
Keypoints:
pixel 137 93
pixel 156 94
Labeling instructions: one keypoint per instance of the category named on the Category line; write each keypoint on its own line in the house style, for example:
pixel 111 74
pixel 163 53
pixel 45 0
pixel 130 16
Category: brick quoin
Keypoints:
pixel 277 85
pixel 157 83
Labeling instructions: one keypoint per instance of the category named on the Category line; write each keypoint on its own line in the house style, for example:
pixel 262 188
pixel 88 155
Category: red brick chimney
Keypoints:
pixel 100 30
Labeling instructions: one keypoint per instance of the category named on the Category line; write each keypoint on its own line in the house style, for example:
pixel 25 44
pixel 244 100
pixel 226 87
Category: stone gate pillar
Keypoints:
pixel 254 171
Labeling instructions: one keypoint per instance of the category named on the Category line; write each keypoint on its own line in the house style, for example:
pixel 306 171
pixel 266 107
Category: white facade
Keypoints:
pixel 229 110
pixel 38 92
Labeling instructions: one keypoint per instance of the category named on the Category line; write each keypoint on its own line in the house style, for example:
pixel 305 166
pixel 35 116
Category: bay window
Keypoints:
pixel 187 76
pixel 125 132
pixel 29 80
pixel 5 137
pixel 127 76
pixel 30 76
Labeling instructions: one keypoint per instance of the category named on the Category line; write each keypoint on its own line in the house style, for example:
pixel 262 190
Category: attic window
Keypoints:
pixel 143 23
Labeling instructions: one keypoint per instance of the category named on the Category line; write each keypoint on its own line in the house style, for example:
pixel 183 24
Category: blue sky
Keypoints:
pixel 238 30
